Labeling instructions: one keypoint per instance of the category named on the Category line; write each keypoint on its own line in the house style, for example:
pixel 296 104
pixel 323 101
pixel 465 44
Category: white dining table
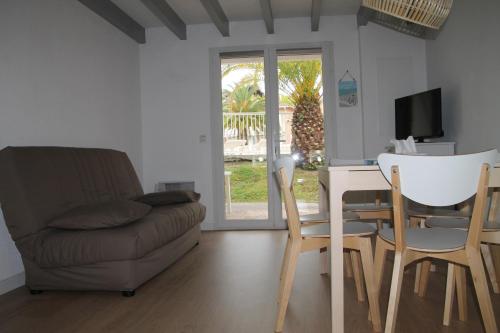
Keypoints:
pixel 334 182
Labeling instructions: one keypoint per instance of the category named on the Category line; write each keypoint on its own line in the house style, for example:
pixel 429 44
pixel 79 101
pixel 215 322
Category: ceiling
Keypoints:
pixel 192 11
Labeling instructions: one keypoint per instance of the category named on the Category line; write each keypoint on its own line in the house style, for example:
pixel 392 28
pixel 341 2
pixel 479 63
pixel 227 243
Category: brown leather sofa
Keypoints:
pixel 38 184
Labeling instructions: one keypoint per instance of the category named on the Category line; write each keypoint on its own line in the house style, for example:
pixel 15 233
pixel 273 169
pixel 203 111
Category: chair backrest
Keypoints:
pixel 438 181
pixel 288 164
pixel 284 168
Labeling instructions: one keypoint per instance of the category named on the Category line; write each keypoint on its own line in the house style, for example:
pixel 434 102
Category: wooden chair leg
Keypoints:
pixel 324 262
pixel 461 284
pixel 287 283
pixel 357 269
pixel 424 277
pixel 284 266
pixel 418 273
pixel 415 223
pixel 482 291
pixel 379 263
pixel 423 269
pixel 380 224
pixel 450 294
pixel 488 261
pixel 495 254
pixel 348 264
pixel 369 274
pixel 397 280
pixel 284 263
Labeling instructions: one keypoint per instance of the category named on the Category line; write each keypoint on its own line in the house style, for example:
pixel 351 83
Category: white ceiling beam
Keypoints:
pixel 267 15
pixel 117 17
pixel 216 13
pixel 315 14
pixel 162 10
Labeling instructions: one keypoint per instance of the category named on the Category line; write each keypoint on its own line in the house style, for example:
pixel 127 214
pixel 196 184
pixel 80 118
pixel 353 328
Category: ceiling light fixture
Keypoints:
pixel 421 18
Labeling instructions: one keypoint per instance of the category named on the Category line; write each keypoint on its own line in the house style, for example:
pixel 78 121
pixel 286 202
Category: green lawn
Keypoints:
pixel 248 182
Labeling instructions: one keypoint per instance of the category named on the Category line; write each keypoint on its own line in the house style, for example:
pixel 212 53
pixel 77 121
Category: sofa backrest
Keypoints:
pixel 40 183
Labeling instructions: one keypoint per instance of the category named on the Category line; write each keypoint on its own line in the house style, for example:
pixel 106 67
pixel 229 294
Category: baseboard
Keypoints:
pixel 12 283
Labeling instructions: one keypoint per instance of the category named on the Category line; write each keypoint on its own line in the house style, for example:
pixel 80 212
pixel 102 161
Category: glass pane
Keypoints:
pixel 244 131
pixel 301 121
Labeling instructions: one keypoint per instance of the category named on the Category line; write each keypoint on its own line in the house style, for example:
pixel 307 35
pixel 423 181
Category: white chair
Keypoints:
pixel 417 217
pixel 490 235
pixel 435 181
pixel 309 237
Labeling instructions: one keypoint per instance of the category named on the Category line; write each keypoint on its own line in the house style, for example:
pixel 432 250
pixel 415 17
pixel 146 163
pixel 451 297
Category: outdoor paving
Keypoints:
pixel 258 210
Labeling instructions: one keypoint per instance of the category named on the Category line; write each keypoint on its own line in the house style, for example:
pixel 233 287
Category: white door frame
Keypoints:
pixel 275 219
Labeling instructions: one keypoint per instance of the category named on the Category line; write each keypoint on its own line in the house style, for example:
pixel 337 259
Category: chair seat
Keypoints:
pixel 427 212
pixel 325 217
pixel 430 240
pixel 459 223
pixel 355 228
pixel 370 207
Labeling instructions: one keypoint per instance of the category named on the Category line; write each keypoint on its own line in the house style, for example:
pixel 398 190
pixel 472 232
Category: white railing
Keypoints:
pixel 244 125
pixel 245 132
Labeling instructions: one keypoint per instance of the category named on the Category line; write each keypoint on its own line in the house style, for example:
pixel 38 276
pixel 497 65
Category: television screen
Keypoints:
pixel 419 115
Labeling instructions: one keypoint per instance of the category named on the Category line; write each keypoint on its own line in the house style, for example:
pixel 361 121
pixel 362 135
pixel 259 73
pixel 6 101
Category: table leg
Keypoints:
pixel 337 184
pixel 323 209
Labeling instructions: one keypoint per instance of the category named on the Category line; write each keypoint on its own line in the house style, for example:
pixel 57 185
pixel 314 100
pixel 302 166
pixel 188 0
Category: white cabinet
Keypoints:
pixel 436 148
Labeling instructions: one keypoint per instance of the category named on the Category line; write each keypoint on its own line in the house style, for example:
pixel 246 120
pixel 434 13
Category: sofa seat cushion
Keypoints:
pixel 58 248
pixel 102 215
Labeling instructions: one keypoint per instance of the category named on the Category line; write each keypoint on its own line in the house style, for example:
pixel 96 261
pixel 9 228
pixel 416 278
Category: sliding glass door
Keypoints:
pixel 266 102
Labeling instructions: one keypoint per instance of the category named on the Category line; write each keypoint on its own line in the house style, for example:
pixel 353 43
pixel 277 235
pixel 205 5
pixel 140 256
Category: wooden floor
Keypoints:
pixel 227 284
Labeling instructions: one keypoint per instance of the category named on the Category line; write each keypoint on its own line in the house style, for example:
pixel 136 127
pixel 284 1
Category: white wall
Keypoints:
pixel 66 78
pixel 176 90
pixel 393 65
pixel 176 93
pixel 465 62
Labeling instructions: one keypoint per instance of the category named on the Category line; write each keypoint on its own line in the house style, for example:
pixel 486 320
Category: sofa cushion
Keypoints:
pixel 168 198
pixel 58 248
pixel 101 215
pixel 37 184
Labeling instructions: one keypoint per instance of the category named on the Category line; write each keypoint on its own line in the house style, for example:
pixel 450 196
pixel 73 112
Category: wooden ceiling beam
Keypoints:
pixel 216 13
pixel 267 15
pixel 162 10
pixel 315 14
pixel 117 17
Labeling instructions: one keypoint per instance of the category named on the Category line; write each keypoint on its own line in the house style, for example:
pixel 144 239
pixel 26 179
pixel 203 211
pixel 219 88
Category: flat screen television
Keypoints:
pixel 419 115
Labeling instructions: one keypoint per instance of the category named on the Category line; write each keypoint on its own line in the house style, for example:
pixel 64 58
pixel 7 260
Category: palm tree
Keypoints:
pixel 243 97
pixel 300 84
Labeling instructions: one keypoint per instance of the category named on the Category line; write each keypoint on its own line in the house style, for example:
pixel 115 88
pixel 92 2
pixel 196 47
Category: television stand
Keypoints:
pixel 421 140
pixel 436 148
